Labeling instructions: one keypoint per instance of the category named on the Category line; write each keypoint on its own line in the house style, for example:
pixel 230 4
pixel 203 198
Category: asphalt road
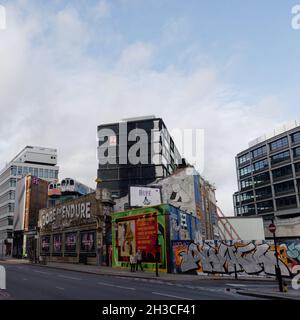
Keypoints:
pixel 42 283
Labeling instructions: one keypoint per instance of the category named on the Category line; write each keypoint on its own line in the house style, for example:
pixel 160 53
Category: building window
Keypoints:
pixel 261 165
pixel 46 173
pixel 283 156
pixel 287 202
pixel 284 187
pixel 51 175
pixel 13 183
pixel 296 152
pixel 265 206
pixel 247 210
pixel 35 172
pixel 296 137
pixel 246 196
pixel 283 142
pixel 259 152
pixel 30 170
pixel 282 172
pixel 297 167
pixel 246 170
pixel 56 174
pixel 41 173
pixel 20 171
pixel 70 244
pixel 246 183
pixel 263 178
pixel 13 170
pixel 244 158
pixel 263 193
pixel 25 170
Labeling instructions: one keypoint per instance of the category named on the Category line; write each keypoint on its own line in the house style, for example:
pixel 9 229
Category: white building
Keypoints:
pixel 37 161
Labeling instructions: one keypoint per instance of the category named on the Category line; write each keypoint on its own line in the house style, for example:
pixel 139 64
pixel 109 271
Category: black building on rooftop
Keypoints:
pixel 158 159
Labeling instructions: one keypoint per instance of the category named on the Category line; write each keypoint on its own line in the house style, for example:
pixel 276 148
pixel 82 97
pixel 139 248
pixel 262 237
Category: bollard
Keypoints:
pixel 285 287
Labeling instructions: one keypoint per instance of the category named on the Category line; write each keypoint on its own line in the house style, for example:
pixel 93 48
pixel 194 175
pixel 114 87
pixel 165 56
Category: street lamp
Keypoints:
pixel 272 229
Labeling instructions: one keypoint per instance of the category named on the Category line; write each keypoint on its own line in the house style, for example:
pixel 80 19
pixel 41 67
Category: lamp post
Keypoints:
pixel 99 235
pixel 272 229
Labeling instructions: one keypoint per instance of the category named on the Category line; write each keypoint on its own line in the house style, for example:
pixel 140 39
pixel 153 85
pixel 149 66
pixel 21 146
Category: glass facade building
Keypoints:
pixel 135 151
pixel 268 175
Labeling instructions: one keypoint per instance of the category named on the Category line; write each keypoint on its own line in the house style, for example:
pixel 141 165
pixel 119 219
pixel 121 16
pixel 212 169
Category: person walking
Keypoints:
pixel 138 257
pixel 132 260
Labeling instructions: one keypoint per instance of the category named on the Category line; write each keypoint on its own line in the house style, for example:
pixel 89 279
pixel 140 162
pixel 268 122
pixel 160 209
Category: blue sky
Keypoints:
pixel 229 67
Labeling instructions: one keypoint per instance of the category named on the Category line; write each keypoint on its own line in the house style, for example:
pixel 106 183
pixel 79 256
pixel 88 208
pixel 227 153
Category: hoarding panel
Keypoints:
pixel 144 196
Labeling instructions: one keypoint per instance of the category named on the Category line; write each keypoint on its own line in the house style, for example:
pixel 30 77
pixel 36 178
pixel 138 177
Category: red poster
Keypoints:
pixel 146 234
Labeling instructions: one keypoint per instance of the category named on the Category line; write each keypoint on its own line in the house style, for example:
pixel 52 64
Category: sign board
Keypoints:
pixel 272 228
pixel 145 196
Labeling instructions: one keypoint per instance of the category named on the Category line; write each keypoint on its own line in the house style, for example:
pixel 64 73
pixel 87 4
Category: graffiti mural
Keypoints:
pixel 228 257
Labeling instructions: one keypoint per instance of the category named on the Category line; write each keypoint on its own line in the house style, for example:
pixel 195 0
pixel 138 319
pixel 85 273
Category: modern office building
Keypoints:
pixel 135 151
pixel 268 174
pixel 37 161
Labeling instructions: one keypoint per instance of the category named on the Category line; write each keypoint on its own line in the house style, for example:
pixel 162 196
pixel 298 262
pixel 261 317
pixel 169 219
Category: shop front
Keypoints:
pixel 76 231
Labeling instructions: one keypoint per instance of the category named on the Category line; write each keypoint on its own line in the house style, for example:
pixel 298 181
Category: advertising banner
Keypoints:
pixel 70 243
pixel 145 196
pixel 87 242
pixel 57 244
pixel 45 245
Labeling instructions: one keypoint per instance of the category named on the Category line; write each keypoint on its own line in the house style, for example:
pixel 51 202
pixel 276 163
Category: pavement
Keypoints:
pixel 206 287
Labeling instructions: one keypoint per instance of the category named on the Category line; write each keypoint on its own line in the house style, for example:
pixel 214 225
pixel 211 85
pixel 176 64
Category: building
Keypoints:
pixel 31 196
pixel 151 230
pixel 37 161
pixel 187 190
pixel 77 230
pixel 268 175
pixel 135 151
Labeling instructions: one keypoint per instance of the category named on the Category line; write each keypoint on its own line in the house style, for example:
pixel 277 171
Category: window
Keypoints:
pixel 246 170
pixel 297 167
pixel 25 170
pixel 287 202
pixel 20 171
pixel 296 152
pixel 261 165
pixel 244 158
pixel 283 156
pixel 51 176
pixel 284 187
pixel 246 183
pixel 259 152
pixel 262 178
pixel 13 182
pixel 70 244
pixel 263 193
pixel 247 210
pixel 283 142
pixel 265 206
pixel 46 173
pixel 45 245
pixel 35 172
pixel 30 170
pixel 87 242
pixel 41 173
pixel 296 137
pixel 282 172
pixel 13 170
pixel 56 174
pixel 246 196
pixel 57 244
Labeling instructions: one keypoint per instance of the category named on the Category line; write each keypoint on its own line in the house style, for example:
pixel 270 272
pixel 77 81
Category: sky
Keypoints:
pixel 230 68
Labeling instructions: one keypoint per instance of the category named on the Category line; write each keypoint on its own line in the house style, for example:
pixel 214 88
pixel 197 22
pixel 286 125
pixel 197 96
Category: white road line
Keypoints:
pixel 42 272
pixel 114 285
pixel 24 279
pixel 60 288
pixel 170 296
pixel 67 277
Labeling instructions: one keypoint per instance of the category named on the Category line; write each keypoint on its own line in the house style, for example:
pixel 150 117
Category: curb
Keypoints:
pixel 145 277
pixel 270 296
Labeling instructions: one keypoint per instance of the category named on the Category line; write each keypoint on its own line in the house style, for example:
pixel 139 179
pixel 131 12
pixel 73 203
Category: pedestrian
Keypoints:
pixel 138 257
pixel 132 262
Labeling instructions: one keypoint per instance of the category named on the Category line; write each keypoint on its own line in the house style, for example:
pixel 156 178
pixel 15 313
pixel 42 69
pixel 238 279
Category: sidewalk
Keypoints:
pixel 271 294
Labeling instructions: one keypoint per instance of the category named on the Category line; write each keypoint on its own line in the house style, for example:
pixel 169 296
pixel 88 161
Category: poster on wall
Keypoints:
pixel 57 244
pixel 87 242
pixel 144 196
pixel 70 243
pixel 135 234
pixel 45 245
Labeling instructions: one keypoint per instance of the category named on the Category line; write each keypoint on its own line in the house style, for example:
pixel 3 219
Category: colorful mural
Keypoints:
pixel 140 229
pixel 228 257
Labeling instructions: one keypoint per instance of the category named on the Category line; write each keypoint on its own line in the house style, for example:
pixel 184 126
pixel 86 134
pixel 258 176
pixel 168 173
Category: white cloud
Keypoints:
pixel 53 94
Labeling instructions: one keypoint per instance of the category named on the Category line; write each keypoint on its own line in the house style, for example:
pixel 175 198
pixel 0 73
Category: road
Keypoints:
pixel 42 283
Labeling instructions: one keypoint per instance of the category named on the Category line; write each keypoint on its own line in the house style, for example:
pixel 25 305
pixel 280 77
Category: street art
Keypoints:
pixel 229 257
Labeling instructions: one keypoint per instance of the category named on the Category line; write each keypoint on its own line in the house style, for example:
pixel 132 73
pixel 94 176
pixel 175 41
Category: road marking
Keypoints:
pixel 116 286
pixel 42 272
pixel 236 285
pixel 24 279
pixel 68 277
pixel 60 288
pixel 170 296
